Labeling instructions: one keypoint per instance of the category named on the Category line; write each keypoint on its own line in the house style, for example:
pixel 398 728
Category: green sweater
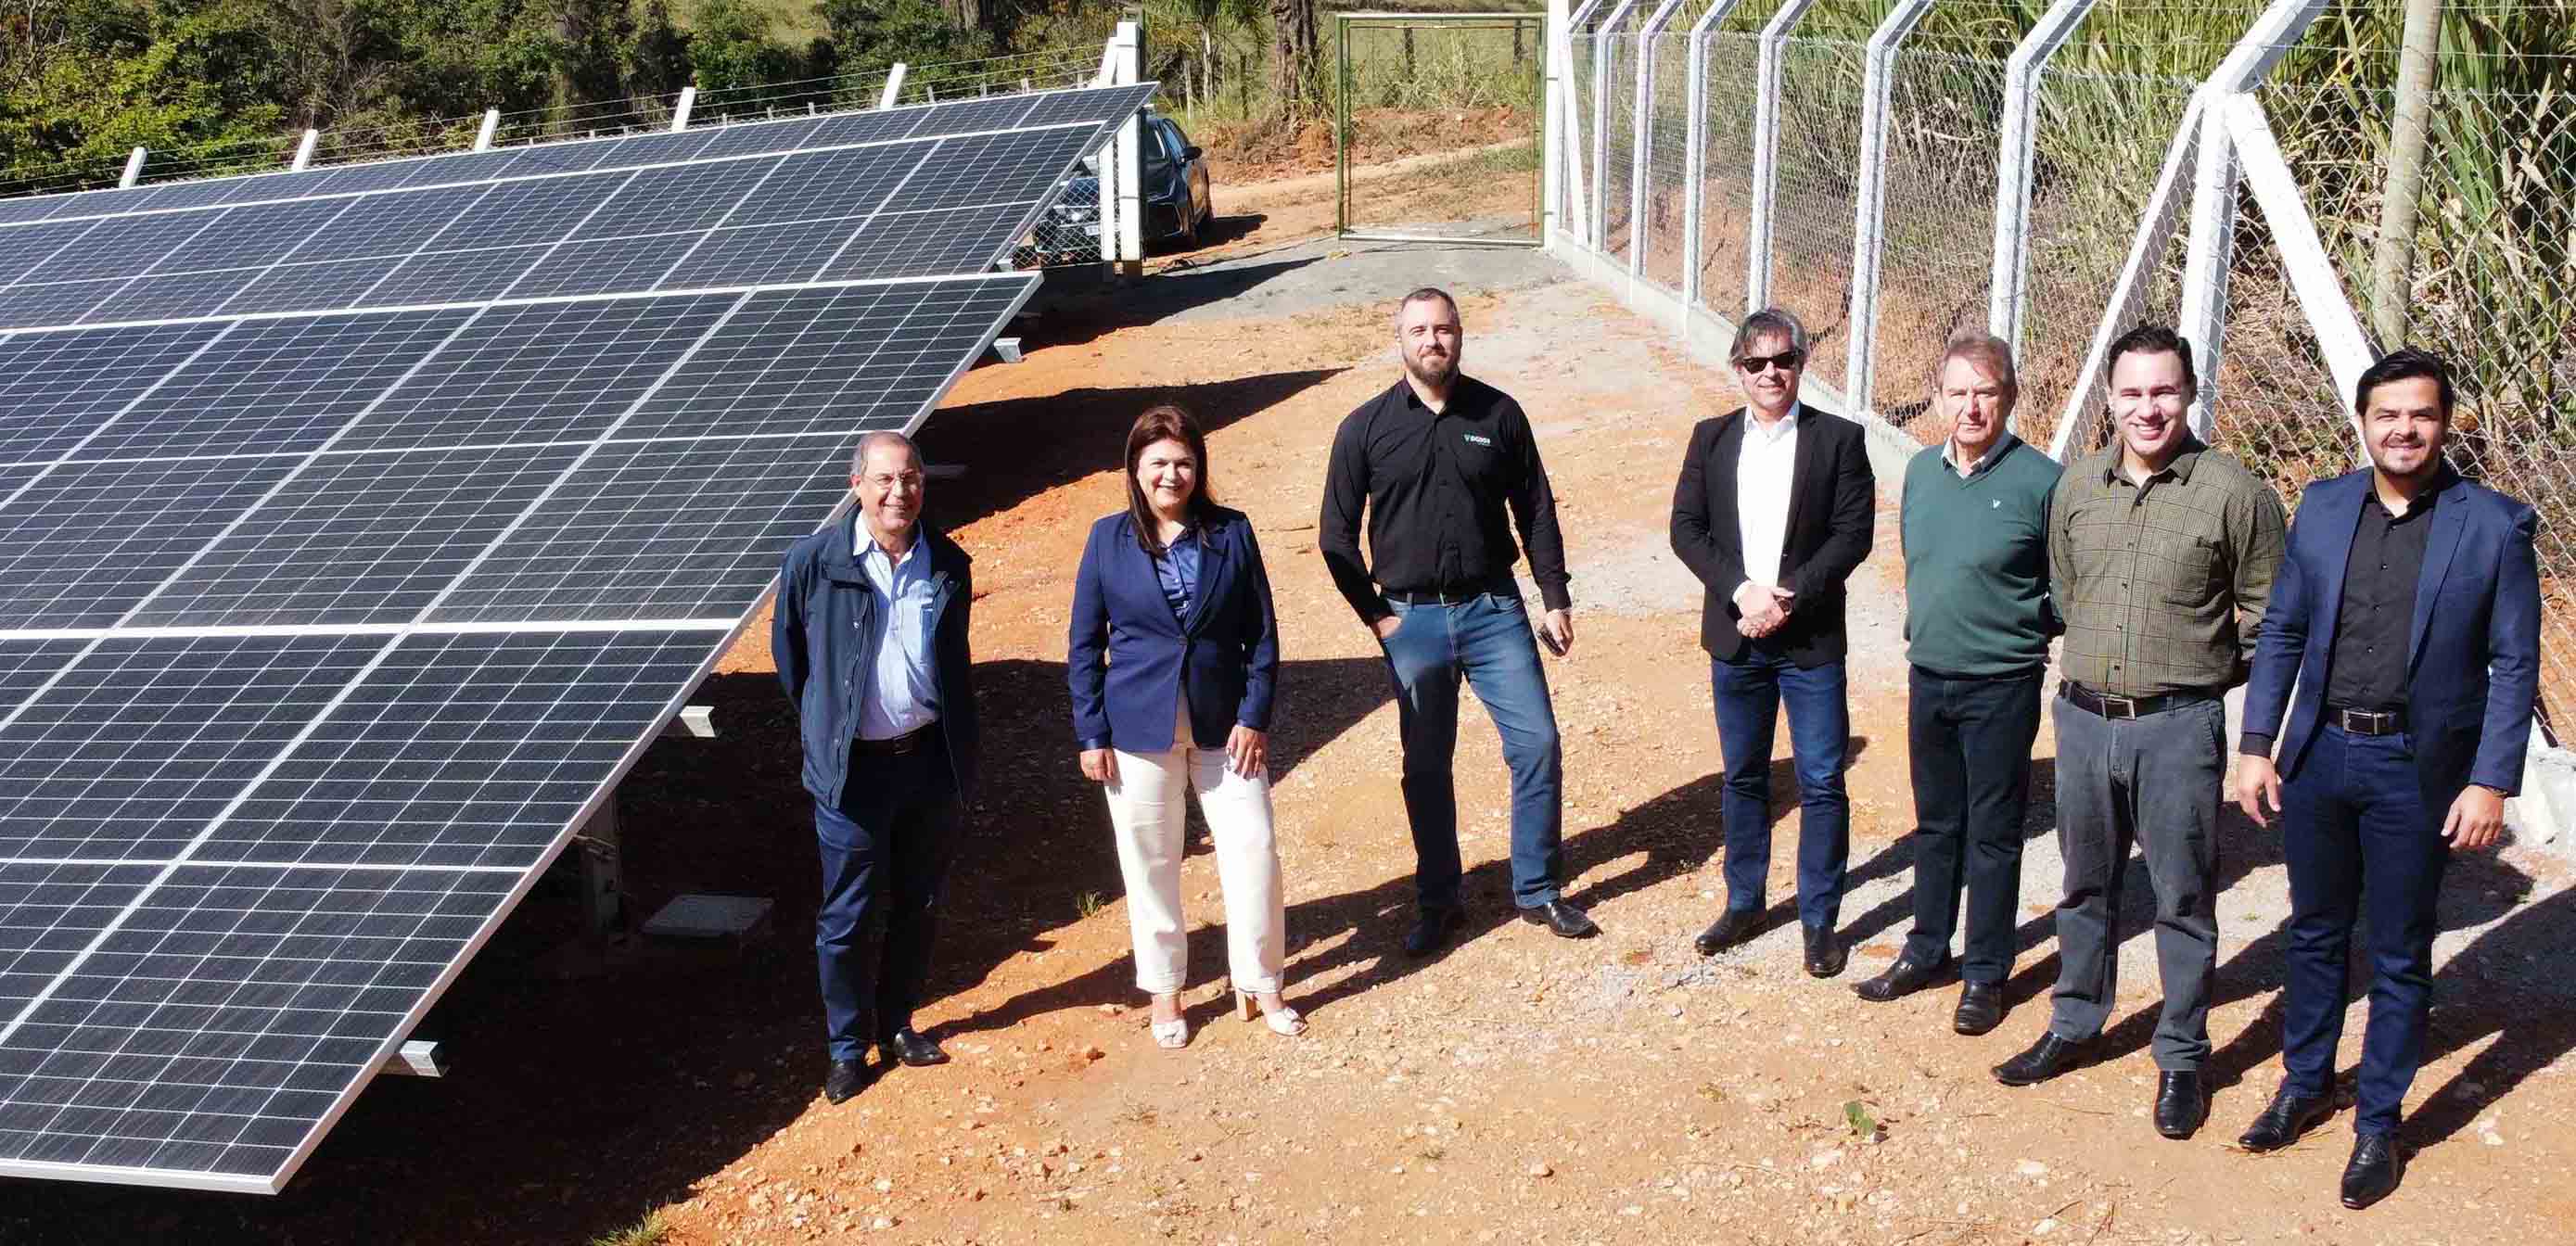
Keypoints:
pixel 1976 562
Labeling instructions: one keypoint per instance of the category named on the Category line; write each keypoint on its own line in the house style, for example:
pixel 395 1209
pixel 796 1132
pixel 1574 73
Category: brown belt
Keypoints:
pixel 918 737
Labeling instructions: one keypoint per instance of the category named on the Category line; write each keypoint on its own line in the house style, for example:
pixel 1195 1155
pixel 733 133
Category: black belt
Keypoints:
pixel 2367 722
pixel 2130 707
pixel 917 738
pixel 1451 596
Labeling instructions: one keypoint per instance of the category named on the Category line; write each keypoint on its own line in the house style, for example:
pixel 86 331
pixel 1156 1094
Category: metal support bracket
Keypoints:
pixel 417 1058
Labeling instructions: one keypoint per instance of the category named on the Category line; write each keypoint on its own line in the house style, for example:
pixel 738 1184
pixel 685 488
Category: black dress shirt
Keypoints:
pixel 2366 670
pixel 1435 486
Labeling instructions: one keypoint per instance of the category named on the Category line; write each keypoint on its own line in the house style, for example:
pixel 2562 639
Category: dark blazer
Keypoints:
pixel 824 638
pixel 1833 505
pixel 1226 653
pixel 2473 666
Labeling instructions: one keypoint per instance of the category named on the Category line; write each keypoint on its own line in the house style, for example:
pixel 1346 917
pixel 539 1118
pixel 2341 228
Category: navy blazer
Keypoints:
pixel 823 635
pixel 2472 659
pixel 1226 653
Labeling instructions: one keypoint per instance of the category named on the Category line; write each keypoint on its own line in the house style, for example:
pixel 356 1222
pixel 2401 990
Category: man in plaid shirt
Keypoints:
pixel 2161 558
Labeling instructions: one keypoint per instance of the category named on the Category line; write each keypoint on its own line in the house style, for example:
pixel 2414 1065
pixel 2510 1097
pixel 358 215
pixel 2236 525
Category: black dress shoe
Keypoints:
pixel 1901 979
pixel 1432 930
pixel 2044 1059
pixel 1981 1008
pixel 1825 955
pixel 845 1081
pixel 1565 920
pixel 1732 927
pixel 914 1048
pixel 2290 1115
pixel 2372 1174
pixel 2182 1103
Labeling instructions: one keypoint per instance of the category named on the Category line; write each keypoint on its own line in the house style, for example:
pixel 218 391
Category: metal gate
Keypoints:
pixel 1436 122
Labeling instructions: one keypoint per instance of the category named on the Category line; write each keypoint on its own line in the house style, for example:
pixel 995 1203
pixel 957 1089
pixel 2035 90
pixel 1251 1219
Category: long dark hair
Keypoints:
pixel 1165 422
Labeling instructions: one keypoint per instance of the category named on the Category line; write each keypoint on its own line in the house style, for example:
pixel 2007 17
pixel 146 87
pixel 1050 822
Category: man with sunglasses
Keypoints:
pixel 1773 512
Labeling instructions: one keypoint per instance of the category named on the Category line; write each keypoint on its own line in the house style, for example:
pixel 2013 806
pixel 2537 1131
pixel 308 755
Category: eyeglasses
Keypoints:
pixel 1756 365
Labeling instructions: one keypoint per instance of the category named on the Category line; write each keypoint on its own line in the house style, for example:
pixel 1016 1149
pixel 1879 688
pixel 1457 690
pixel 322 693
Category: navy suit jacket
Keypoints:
pixel 2472 660
pixel 1225 654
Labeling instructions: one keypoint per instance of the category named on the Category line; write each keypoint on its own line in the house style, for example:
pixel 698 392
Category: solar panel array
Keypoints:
pixel 360 526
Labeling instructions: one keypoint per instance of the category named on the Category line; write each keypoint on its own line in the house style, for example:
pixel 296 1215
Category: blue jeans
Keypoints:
pixel 2355 828
pixel 1750 692
pixel 1486 639
pixel 885 851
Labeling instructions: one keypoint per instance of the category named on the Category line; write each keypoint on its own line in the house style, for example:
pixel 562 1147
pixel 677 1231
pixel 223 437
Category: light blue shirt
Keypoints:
pixel 902 695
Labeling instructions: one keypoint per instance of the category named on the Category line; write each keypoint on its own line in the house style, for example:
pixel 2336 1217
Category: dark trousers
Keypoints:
pixel 885 856
pixel 2153 781
pixel 1485 640
pixel 1749 693
pixel 2354 824
pixel 1970 740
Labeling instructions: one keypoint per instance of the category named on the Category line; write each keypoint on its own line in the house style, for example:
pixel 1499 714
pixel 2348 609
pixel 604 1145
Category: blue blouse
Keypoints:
pixel 1178 570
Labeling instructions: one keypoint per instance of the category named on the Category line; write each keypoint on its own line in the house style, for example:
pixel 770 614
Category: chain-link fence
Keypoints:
pixel 1437 121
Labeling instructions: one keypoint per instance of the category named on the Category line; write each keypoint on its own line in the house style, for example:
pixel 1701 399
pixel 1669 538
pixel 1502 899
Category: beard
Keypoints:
pixel 1432 372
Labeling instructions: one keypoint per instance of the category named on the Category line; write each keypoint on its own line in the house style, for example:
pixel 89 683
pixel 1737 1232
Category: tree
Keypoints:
pixel 1296 86
pixel 731 48
pixel 871 34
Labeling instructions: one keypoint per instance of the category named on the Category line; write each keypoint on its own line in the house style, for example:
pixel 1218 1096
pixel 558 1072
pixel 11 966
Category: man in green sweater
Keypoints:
pixel 1974 526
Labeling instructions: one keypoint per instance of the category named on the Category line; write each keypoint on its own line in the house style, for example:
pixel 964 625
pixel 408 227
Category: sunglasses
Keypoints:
pixel 1756 365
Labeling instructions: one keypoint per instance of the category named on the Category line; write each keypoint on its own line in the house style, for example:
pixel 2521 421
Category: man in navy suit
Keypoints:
pixel 2405 735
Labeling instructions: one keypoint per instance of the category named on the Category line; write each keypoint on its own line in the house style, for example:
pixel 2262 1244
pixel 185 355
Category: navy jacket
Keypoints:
pixel 824 638
pixel 2473 658
pixel 1226 653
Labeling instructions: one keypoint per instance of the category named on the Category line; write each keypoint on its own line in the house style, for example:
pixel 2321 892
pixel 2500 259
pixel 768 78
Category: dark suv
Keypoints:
pixel 1175 191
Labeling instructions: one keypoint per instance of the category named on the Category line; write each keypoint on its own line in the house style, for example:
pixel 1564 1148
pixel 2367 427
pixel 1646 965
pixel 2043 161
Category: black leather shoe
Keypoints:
pixel 1432 930
pixel 2290 1115
pixel 914 1048
pixel 2044 1059
pixel 1732 927
pixel 845 1081
pixel 2182 1103
pixel 1825 955
pixel 1565 920
pixel 1981 1008
pixel 1901 979
pixel 2372 1174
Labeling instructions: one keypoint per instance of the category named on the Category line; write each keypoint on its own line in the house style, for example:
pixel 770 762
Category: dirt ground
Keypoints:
pixel 1514 1088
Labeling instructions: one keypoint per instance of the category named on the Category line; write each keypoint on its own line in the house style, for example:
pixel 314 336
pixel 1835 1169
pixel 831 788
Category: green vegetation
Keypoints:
pixel 652 1230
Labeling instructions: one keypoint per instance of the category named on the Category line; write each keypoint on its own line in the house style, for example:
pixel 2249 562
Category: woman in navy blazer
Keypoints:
pixel 1173 594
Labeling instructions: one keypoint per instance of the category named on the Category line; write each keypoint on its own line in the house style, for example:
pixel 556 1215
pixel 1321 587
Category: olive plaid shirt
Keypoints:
pixel 2150 580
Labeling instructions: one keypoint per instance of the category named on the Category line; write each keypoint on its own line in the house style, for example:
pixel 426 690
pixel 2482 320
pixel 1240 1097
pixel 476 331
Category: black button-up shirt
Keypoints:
pixel 2366 670
pixel 1435 486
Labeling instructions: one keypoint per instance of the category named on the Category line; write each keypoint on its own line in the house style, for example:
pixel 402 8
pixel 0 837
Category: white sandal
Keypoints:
pixel 1285 1021
pixel 1174 1034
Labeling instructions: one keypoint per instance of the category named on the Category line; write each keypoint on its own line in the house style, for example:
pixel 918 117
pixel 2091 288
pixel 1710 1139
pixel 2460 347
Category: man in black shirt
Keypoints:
pixel 1435 461
pixel 2403 739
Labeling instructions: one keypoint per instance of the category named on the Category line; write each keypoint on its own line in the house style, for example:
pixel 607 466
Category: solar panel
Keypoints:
pixel 359 527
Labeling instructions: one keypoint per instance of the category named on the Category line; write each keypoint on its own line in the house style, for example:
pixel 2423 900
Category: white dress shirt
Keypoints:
pixel 1950 455
pixel 1764 465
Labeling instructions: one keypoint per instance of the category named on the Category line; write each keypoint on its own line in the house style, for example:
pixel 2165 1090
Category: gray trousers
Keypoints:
pixel 2154 781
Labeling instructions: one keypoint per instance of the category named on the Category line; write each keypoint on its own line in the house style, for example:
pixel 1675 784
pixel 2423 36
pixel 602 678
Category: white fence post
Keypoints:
pixel 2129 293
pixel 1641 132
pixel 2008 287
pixel 1766 146
pixel 304 150
pixel 680 111
pixel 2213 202
pixel 1603 37
pixel 1551 114
pixel 490 127
pixel 2312 275
pixel 894 85
pixel 133 169
pixel 1870 198
pixel 1568 108
pixel 1695 149
pixel 1126 154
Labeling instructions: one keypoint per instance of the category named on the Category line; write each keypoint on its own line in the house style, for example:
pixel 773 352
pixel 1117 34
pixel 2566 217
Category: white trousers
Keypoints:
pixel 1146 811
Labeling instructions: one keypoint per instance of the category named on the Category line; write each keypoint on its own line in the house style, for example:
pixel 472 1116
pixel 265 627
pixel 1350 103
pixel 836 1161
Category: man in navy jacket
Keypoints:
pixel 2405 735
pixel 870 640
